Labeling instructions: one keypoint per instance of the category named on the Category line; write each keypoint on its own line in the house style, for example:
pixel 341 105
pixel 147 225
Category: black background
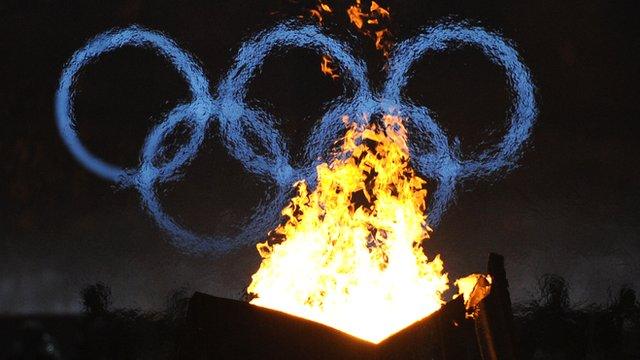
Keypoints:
pixel 571 207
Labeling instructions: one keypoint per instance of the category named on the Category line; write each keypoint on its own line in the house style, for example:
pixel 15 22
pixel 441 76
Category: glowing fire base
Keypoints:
pixel 228 329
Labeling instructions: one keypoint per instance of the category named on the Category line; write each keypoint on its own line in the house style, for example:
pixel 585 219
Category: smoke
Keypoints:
pixel 249 134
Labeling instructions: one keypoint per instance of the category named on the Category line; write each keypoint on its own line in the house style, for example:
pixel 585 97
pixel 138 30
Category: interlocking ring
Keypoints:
pixel 432 155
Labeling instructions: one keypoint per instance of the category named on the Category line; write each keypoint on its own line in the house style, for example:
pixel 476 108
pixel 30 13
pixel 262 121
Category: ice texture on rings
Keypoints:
pixel 432 152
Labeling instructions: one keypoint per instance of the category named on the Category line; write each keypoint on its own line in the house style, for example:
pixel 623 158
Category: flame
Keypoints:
pixel 370 23
pixel 382 43
pixel 376 9
pixel 356 16
pixel 321 8
pixel 364 20
pixel 359 18
pixel 326 66
pixel 350 253
pixel 326 63
pixel 466 285
pixel 473 288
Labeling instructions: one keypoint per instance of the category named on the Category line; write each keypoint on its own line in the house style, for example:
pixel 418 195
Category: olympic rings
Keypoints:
pixel 432 153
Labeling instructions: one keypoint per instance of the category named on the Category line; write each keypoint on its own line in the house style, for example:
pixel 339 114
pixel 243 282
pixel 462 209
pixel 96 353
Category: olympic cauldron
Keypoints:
pixel 220 328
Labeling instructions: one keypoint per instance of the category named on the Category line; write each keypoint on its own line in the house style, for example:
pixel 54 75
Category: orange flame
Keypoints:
pixel 370 23
pixel 374 17
pixel 473 288
pixel 317 13
pixel 326 66
pixel 356 16
pixel 350 253
pixel 321 8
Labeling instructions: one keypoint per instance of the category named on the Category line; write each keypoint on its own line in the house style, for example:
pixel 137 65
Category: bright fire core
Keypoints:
pixel 349 254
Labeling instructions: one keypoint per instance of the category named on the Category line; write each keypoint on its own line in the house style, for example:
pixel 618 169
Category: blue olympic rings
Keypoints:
pixel 432 154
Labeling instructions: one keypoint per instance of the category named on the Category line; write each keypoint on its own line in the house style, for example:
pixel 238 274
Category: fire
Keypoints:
pixel 466 285
pixel 349 254
pixel 473 288
pixel 371 23
pixel 327 68
pixel 321 8
pixel 368 21
pixel 359 18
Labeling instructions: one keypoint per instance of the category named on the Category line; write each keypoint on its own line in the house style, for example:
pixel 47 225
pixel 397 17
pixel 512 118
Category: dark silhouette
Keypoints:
pixel 129 333
pixel 34 343
pixel 549 326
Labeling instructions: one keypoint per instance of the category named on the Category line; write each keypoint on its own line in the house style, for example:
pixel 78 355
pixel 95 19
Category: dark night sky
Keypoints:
pixel 571 207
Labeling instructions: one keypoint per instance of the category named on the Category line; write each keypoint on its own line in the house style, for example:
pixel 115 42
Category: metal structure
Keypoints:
pixel 220 328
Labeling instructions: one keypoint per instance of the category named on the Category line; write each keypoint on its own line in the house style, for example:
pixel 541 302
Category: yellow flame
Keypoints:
pixel 473 288
pixel 466 285
pixel 325 7
pixel 350 253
